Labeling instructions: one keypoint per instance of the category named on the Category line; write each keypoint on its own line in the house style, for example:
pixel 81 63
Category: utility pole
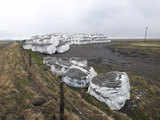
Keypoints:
pixel 145 34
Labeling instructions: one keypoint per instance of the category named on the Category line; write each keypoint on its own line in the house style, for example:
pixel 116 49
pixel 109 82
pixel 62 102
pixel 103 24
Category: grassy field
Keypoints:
pixel 22 83
pixel 148 47
pixel 145 81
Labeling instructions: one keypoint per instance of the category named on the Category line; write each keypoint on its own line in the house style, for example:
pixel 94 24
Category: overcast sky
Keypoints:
pixel 117 18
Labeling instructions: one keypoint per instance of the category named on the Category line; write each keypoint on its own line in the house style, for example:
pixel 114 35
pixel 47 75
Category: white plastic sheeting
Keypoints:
pixel 78 77
pixel 44 45
pixel 63 48
pixel 112 88
pixel 60 43
pixel 75 71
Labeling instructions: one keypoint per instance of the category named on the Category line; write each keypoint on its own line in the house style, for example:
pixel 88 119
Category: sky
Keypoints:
pixel 117 18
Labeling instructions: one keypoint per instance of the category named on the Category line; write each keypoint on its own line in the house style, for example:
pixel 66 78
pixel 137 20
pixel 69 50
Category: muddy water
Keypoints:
pixel 102 55
pixel 92 52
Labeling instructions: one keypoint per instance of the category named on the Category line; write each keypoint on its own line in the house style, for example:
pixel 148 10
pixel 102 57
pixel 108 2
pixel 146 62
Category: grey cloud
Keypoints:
pixel 125 18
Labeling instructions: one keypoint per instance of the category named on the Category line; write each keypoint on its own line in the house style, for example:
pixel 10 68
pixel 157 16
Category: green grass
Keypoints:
pixel 36 57
pixel 147 48
pixel 147 107
pixel 116 115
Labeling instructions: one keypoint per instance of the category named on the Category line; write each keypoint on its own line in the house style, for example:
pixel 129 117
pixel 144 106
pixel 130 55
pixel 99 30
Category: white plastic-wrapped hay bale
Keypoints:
pixel 79 61
pixel 42 44
pixel 58 69
pixel 63 48
pixel 58 65
pixel 79 77
pixel 62 64
pixel 60 43
pixel 112 88
pixel 75 71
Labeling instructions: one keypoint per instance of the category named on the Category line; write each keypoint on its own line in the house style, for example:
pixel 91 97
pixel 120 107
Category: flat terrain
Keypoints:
pixel 25 83
pixel 4 44
pixel 141 60
pixel 29 91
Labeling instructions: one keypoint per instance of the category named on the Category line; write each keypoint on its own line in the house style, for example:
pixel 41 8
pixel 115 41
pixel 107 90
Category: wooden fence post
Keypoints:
pixel 61 100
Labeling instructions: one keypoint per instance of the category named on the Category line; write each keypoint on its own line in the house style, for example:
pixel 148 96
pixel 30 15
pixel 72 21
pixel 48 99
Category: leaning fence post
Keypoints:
pixel 30 59
pixel 61 100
